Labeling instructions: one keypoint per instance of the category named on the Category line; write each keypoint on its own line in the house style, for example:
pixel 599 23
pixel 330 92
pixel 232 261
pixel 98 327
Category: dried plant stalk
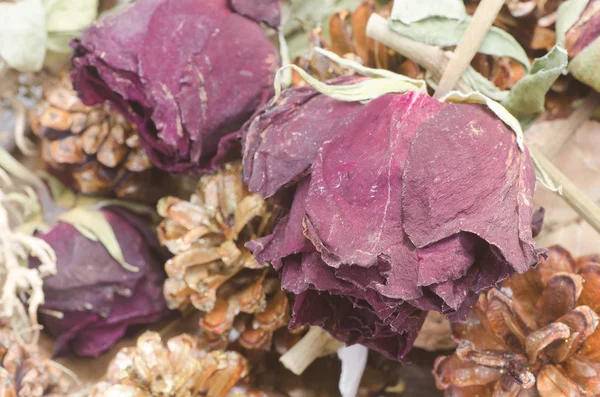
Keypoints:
pixel 469 44
pixel 15 249
pixel 316 343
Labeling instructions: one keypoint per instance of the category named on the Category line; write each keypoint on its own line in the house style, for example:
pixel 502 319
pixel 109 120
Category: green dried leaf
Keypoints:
pixel 66 19
pixel 527 98
pixel 300 16
pixel 23 35
pixel 498 109
pixel 569 13
pixel 446 30
pixel 383 82
pixel 409 11
pixel 93 225
pixel 584 67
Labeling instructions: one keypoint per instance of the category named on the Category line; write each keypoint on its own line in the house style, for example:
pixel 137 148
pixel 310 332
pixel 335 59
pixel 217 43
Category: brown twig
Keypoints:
pixel 469 44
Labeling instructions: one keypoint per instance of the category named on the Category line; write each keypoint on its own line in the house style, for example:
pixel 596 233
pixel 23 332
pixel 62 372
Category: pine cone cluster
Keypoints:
pixel 93 148
pixel 537 336
pixel 182 368
pixel 213 271
pixel 24 372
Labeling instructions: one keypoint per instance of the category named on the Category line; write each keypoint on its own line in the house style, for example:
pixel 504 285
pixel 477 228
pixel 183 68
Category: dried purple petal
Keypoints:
pixel 267 11
pixel 100 299
pixel 411 205
pixel 187 73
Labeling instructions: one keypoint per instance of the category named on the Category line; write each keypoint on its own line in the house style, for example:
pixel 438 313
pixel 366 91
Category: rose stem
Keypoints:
pixel 313 345
pixel 467 47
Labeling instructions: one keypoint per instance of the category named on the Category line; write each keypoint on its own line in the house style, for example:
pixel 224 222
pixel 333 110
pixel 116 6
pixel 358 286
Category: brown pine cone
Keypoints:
pixel 213 271
pixel 182 368
pixel 348 31
pixel 24 372
pixel 536 336
pixel 94 148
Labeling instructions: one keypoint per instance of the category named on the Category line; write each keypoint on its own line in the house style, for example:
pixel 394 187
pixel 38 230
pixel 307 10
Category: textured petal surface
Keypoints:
pixel 184 106
pixel 100 299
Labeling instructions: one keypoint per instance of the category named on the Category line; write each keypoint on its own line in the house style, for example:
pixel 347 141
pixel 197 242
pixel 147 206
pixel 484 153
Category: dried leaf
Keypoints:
pixel 94 225
pixel 527 98
pixel 568 13
pixel 407 11
pixel 585 65
pixel 383 82
pixel 23 35
pixel 430 28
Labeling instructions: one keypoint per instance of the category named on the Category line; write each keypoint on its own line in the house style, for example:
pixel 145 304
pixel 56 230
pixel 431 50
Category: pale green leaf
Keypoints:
pixel 300 16
pixel 479 83
pixel 444 32
pixel 23 35
pixel 383 82
pixel 70 16
pixel 94 225
pixel 569 13
pixel 498 109
pixel 369 72
pixel 62 195
pixel 585 66
pixel 527 98
pixel 409 11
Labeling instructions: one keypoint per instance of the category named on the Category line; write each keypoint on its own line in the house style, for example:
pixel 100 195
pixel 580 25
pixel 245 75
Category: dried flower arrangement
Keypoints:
pixel 191 213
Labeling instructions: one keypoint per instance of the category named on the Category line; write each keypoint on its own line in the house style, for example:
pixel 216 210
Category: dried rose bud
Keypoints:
pixel 97 297
pixel 582 42
pixel 188 73
pixel 405 204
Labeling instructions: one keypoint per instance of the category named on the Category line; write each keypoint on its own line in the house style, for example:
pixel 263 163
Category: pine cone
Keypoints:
pixel 181 368
pixel 94 148
pixel 27 373
pixel 213 271
pixel 535 337
pixel 348 31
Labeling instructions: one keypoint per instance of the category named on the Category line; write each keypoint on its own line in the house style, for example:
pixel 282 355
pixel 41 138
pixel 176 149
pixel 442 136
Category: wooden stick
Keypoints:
pixel 469 44
pixel 431 58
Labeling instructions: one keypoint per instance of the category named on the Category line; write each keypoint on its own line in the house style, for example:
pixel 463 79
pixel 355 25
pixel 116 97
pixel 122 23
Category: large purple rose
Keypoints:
pixel 403 205
pixel 188 73
pixel 98 298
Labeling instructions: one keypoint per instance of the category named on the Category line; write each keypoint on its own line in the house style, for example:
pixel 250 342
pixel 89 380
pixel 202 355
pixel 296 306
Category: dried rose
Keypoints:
pixel 188 73
pixel 582 40
pixel 97 297
pixel 404 204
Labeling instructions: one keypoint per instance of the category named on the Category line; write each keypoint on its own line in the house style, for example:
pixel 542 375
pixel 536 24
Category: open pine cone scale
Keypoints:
pixel 213 271
pixel 537 336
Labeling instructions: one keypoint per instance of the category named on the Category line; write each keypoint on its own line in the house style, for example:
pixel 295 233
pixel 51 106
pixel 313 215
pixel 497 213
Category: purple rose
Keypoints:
pixel 188 73
pixel 98 298
pixel 403 205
